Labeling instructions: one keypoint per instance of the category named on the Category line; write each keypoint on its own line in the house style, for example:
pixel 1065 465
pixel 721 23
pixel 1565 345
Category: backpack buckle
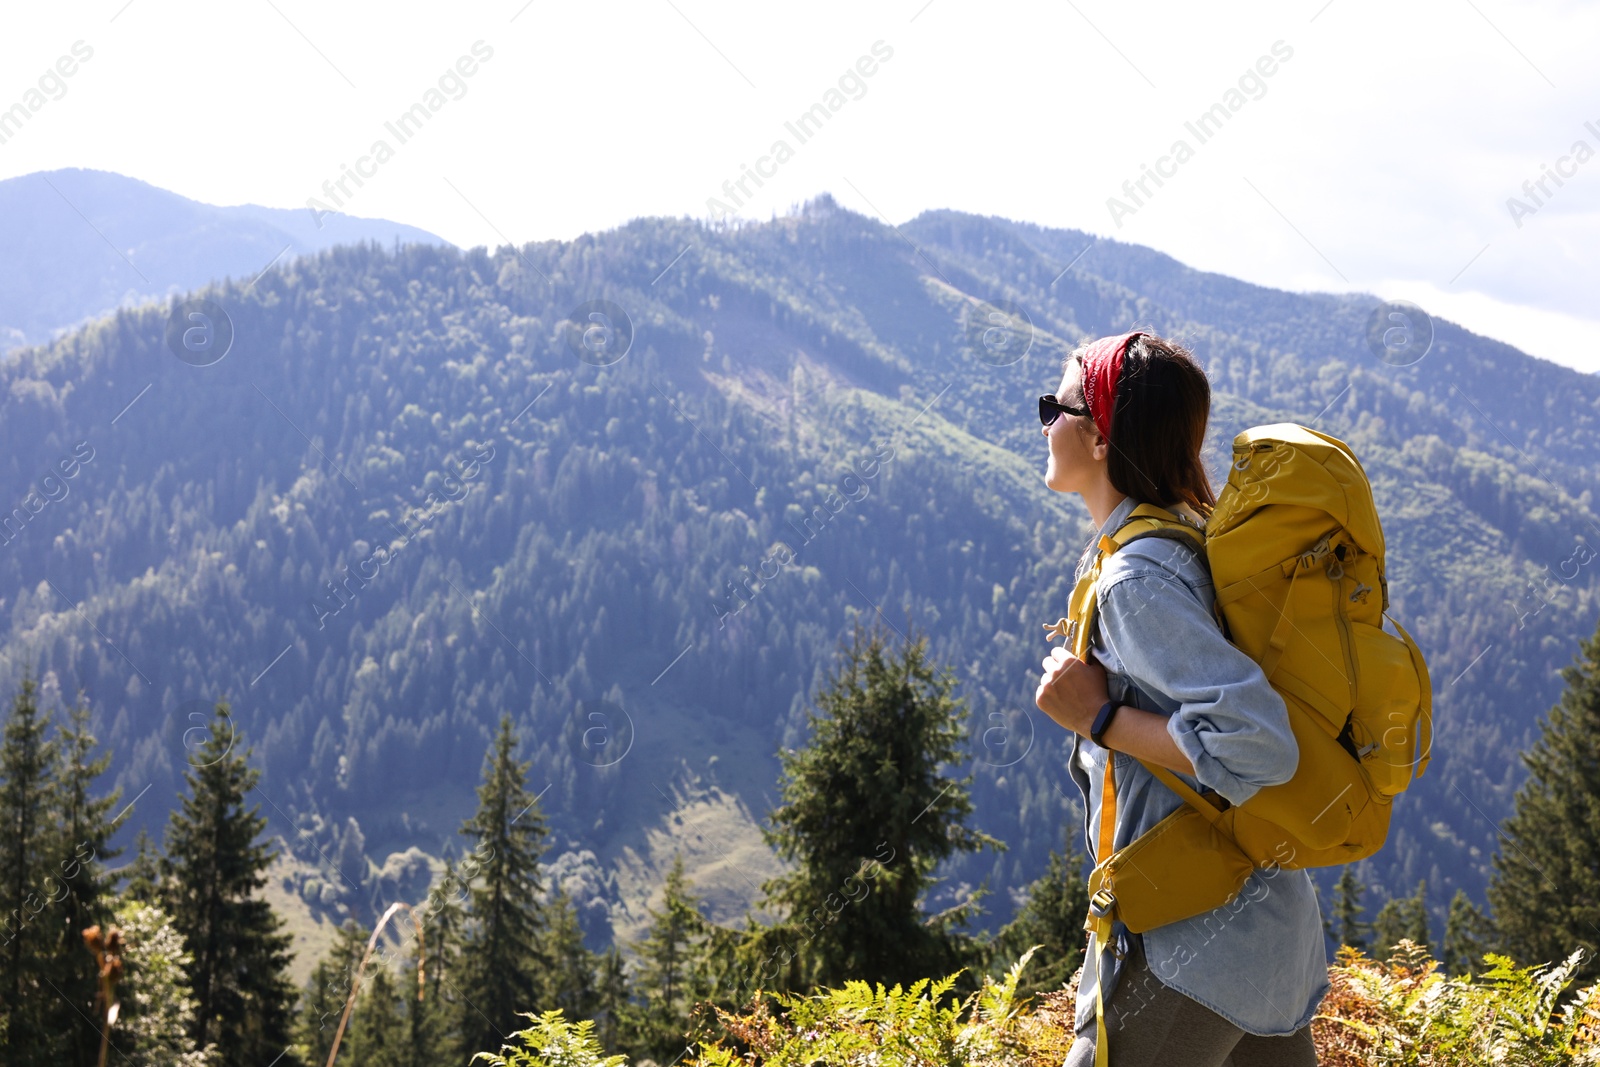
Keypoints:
pixel 1315 553
pixel 1101 903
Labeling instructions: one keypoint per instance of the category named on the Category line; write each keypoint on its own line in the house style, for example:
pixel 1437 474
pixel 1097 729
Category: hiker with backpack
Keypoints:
pixel 1241 709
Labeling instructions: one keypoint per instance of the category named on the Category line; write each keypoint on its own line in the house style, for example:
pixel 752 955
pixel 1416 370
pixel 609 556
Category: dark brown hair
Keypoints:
pixel 1158 425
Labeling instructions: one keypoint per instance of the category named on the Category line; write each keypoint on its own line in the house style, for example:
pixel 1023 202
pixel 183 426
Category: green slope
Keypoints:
pixel 583 581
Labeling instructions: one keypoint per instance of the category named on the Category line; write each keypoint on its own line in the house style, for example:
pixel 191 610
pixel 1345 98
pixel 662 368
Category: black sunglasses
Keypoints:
pixel 1050 407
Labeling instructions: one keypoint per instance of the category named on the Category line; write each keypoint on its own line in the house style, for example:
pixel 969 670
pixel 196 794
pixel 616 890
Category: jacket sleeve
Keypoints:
pixel 1230 722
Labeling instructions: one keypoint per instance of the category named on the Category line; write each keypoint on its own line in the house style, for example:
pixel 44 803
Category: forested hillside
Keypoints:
pixel 414 494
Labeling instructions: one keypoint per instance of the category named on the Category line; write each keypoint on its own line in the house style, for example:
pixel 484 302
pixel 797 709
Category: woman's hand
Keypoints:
pixel 1071 690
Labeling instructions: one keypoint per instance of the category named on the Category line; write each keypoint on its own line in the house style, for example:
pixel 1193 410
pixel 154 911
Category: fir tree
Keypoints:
pixel 30 892
pixel 504 953
pixel 377 1032
pixel 1052 917
pixel 1466 935
pixel 1401 917
pixel 672 972
pixel 1545 893
pixel 866 815
pixel 1344 924
pixel 86 827
pixel 323 999
pixel 434 1026
pixel 243 999
pixel 422 1023
pixel 613 1006
pixel 143 877
pixel 570 983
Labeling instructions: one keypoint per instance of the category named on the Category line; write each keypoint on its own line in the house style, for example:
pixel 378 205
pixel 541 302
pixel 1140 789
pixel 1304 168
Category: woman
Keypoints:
pixel 1237 985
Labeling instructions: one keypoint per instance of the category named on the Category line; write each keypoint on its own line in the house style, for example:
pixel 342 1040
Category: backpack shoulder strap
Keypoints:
pixel 1145 520
pixel 1149 520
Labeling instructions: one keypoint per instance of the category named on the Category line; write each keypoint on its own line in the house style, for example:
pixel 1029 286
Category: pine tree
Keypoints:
pixel 1052 917
pixel 1401 917
pixel 435 1022
pixel 504 955
pixel 672 973
pixel 1544 893
pixel 86 828
pixel 30 893
pixel 243 999
pixel 1344 925
pixel 377 1032
pixel 323 999
pixel 143 878
pixel 421 1022
pixel 866 815
pixel 570 982
pixel 1466 935
pixel 613 1006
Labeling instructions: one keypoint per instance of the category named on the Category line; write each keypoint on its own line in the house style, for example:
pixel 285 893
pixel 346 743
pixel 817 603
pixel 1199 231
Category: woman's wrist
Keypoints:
pixel 1102 721
pixel 1143 735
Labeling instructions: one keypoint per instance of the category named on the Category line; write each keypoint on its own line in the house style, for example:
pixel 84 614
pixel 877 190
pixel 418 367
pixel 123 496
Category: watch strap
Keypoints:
pixel 1102 721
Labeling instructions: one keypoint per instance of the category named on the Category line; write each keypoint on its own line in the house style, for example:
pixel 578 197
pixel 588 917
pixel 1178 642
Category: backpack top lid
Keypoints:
pixel 1287 464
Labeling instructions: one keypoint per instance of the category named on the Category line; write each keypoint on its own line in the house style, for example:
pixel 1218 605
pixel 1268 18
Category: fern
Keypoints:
pixel 1399 1012
pixel 915 1026
pixel 1404 1012
pixel 551 1041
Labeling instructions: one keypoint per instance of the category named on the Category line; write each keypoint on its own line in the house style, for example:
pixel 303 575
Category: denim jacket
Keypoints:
pixel 1259 962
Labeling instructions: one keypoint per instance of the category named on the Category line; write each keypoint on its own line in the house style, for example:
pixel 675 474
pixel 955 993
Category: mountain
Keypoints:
pixel 633 488
pixel 78 243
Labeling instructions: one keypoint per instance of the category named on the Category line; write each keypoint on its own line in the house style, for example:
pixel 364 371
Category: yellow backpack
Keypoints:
pixel 1296 556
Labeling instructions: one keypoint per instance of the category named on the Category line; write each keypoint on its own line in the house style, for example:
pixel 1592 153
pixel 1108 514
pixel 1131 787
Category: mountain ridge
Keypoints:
pixel 624 499
pixel 59 266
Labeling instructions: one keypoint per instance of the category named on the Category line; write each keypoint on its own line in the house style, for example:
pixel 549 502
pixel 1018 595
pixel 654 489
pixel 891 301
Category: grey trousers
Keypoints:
pixel 1148 1024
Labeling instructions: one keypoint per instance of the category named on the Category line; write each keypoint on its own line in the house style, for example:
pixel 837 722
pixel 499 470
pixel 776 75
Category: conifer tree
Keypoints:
pixel 867 813
pixel 672 973
pixel 1052 917
pixel 1466 935
pixel 243 1000
pixel 435 1023
pixel 1545 892
pixel 570 983
pixel 504 954
pixel 29 891
pixel 378 1033
pixel 613 1006
pixel 143 877
pixel 423 1026
pixel 1401 917
pixel 1345 925
pixel 86 827
pixel 323 999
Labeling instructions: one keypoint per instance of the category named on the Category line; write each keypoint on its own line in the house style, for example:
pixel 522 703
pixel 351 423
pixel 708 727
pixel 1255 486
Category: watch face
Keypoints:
pixel 1101 720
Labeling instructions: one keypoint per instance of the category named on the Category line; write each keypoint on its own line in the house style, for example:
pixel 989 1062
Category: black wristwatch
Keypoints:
pixel 1102 721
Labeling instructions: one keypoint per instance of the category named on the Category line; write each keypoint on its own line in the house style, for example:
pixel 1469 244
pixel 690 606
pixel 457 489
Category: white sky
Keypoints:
pixel 1379 159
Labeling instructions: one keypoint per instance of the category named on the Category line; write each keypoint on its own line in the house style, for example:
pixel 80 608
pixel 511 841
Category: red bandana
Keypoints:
pixel 1102 366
